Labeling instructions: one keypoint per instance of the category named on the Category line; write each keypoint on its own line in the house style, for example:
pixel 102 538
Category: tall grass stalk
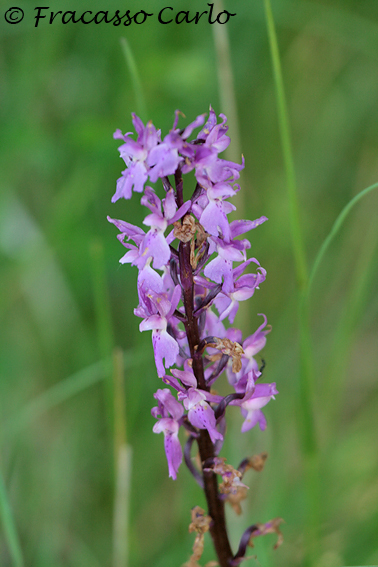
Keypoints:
pixel 227 99
pixel 306 398
pixel 140 100
pixel 122 466
pixel 226 90
pixel 353 304
pixel 115 399
pixel 105 336
pixel 347 327
pixel 9 527
pixel 57 394
pixel 306 423
pixel 296 233
pixel 335 229
pixel 65 390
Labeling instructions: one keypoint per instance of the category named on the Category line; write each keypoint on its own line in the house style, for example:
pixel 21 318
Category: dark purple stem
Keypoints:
pixel 218 371
pixel 224 403
pixel 197 192
pixel 208 299
pixel 188 461
pixel 263 364
pixel 243 545
pixel 166 184
pixel 243 466
pixel 218 528
pixel 179 316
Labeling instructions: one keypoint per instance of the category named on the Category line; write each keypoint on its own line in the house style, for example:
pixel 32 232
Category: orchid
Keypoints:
pixel 171 411
pixel 193 271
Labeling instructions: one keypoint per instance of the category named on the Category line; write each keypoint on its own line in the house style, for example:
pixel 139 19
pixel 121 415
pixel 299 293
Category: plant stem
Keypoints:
pixel 218 528
pixel 306 414
pixel 122 467
pixel 10 531
pixel 140 100
pixel 296 233
pixel 334 231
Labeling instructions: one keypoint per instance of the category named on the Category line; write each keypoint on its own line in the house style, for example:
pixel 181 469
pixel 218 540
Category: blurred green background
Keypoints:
pixel 66 304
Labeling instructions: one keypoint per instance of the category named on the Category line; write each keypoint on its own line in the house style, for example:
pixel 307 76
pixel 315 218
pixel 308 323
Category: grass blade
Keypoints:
pixel 56 395
pixel 347 324
pixel 296 233
pixel 105 336
pixel 10 531
pixel 140 100
pixel 226 89
pixel 347 328
pixel 305 400
pixel 227 99
pixel 122 466
pixel 335 229
pixel 66 389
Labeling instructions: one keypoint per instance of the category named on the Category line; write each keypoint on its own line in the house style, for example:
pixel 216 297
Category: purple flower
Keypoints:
pixel 132 232
pixel 172 445
pixel 157 310
pixel 213 134
pixel 200 413
pixel 150 279
pixel 135 155
pixel 220 268
pixel 155 244
pixel 251 408
pixel 164 158
pixel 251 346
pixel 227 302
pixel 210 169
pixel 213 217
pixel 171 411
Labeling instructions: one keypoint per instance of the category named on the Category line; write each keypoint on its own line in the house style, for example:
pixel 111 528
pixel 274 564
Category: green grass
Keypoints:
pixel 70 494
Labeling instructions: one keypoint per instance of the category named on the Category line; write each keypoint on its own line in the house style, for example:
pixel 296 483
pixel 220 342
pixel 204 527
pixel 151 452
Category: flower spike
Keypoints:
pixel 194 270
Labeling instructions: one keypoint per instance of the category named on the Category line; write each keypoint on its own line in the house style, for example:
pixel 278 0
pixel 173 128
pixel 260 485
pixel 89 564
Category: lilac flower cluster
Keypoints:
pixel 191 279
